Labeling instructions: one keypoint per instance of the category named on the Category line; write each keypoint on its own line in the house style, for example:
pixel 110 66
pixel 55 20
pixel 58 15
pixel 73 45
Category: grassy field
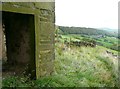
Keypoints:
pixel 75 67
pixel 86 66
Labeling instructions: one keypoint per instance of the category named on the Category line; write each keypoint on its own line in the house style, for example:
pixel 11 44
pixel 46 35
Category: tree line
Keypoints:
pixel 85 31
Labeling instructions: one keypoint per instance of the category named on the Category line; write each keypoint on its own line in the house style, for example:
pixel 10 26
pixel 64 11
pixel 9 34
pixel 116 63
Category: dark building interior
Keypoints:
pixel 18 44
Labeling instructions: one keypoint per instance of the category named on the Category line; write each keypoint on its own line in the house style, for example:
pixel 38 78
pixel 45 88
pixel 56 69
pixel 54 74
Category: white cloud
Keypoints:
pixel 87 13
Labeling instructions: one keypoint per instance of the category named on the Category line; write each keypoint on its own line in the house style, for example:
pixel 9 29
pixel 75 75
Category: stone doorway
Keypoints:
pixel 18 44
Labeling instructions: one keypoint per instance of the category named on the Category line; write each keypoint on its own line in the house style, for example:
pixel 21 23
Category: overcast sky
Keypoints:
pixel 87 13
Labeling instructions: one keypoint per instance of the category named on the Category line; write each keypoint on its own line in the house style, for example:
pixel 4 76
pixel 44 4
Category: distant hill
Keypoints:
pixel 109 29
pixel 87 31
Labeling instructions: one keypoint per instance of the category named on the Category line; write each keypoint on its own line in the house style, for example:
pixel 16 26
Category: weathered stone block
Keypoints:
pixel 44 19
pixel 46 5
pixel 47 34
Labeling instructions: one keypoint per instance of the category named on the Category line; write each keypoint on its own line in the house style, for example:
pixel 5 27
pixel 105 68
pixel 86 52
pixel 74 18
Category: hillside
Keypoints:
pixel 109 29
pixel 76 67
pixel 86 31
pixel 86 66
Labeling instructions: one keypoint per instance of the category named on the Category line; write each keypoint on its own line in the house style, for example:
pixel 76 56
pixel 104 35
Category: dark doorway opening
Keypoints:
pixel 18 44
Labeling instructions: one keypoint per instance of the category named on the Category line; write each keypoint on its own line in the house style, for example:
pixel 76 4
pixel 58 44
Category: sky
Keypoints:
pixel 87 13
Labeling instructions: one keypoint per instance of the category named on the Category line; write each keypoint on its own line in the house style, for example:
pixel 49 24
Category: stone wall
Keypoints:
pixel 1 41
pixel 44 15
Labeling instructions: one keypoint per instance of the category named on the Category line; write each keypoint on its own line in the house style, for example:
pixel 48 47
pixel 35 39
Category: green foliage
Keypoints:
pixel 86 31
pixel 108 42
pixel 75 67
pixel 16 81
pixel 86 66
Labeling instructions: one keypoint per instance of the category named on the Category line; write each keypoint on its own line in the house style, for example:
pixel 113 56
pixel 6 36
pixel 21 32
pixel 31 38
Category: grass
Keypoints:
pixel 75 67
pixel 109 42
pixel 88 64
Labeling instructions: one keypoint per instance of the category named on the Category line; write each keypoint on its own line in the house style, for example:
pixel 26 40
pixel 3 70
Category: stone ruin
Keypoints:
pixel 27 38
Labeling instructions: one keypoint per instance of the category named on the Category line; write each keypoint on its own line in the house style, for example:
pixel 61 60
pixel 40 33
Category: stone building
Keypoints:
pixel 29 32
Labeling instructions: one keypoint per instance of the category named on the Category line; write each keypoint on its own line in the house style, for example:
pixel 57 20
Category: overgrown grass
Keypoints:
pixel 75 67
pixel 86 63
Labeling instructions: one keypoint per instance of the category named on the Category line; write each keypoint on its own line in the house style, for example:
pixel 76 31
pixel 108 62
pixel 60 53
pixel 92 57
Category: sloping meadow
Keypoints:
pixel 75 67
pixel 86 66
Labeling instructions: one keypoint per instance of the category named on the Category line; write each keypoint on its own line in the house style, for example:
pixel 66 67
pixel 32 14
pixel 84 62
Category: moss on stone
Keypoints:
pixel 44 19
